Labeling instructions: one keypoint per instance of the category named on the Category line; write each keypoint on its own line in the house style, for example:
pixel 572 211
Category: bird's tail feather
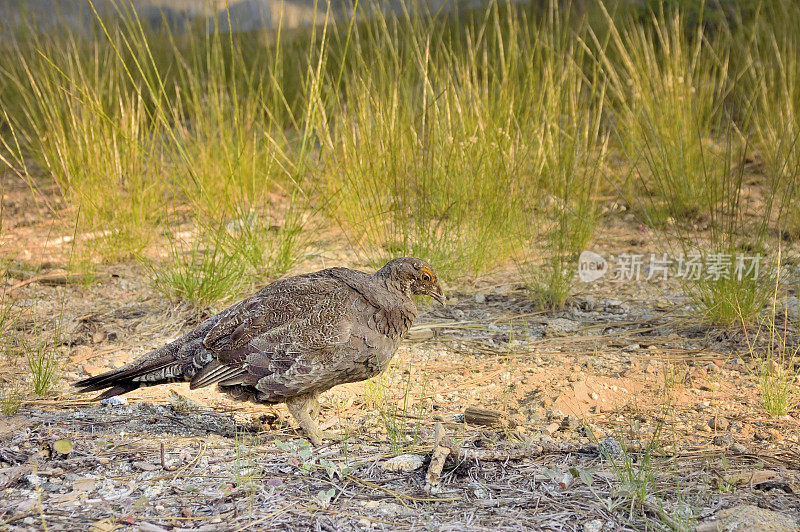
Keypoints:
pixel 177 361
pixel 161 366
pixel 126 378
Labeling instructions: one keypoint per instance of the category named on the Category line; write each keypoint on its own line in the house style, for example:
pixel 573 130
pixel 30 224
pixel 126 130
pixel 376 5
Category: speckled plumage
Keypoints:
pixel 291 340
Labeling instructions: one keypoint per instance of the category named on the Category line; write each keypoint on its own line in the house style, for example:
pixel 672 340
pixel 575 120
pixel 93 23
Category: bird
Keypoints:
pixel 290 341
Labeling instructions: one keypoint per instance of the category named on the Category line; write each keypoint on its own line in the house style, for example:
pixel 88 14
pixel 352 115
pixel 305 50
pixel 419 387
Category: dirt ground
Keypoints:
pixel 621 412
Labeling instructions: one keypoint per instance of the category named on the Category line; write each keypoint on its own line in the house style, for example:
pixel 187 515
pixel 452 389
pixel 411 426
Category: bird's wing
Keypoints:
pixel 277 304
pixel 292 327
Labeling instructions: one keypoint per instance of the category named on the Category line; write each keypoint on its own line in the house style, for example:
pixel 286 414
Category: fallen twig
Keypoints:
pixel 50 278
pixel 442 447
pixel 164 465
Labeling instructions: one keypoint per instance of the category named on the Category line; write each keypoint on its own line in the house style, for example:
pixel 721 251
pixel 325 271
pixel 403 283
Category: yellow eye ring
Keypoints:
pixel 426 277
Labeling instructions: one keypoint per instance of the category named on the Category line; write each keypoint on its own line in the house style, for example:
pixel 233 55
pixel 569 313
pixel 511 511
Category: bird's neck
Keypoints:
pixel 398 288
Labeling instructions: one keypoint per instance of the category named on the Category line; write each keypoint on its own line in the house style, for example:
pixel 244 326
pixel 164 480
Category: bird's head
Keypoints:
pixel 415 276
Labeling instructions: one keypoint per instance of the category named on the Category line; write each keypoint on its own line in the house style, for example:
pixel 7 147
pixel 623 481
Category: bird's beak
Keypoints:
pixel 439 296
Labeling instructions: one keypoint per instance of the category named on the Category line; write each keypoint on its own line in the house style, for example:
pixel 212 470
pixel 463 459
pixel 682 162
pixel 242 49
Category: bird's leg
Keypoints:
pixel 299 407
pixel 314 407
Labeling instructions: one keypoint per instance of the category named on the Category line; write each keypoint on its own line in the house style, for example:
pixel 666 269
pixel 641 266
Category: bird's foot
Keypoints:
pixel 302 408
pixel 319 437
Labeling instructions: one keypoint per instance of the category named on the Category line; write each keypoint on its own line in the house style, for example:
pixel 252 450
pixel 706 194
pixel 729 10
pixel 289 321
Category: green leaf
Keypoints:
pixel 62 446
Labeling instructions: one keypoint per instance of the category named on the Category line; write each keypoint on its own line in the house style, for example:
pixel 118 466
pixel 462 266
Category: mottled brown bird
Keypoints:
pixel 291 340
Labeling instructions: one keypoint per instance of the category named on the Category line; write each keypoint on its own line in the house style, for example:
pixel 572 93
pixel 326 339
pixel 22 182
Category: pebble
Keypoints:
pixel 663 304
pixel 551 429
pixel 33 480
pixel 738 448
pixel 703 405
pixel 749 517
pixel 570 422
pixel 611 448
pixel 718 423
pixel 403 462
pixel 114 401
pixel 595 525
pixel 560 327
pixel 722 440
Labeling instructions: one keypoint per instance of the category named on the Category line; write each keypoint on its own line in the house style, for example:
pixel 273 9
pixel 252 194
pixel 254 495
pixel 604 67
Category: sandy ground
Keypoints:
pixel 619 412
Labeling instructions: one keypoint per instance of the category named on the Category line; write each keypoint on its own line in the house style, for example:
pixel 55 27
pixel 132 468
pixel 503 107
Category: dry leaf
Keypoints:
pixel 103 525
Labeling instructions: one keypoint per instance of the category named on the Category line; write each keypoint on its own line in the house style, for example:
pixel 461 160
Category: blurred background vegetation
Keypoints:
pixel 472 135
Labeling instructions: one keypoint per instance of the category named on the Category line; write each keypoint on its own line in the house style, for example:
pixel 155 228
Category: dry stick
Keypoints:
pixel 52 276
pixel 187 466
pixel 441 450
pixel 164 465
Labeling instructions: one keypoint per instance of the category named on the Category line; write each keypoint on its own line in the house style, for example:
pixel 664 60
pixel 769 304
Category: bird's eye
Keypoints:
pixel 426 278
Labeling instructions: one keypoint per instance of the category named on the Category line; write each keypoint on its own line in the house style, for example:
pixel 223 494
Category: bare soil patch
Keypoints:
pixel 618 413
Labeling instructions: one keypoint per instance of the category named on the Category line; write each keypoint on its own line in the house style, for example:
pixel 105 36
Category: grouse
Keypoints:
pixel 292 340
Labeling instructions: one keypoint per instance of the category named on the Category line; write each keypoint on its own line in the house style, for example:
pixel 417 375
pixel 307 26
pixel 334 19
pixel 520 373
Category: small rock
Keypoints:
pixel 114 401
pixel 760 436
pixel 553 414
pixel 718 423
pixel 748 517
pixel 145 466
pixel 595 525
pixel 663 304
pixel 551 429
pixel 404 462
pixel 33 480
pixel 150 527
pixel 614 306
pixel 570 422
pixel 738 448
pixel 480 493
pixel 611 448
pixel 722 440
pixel 480 298
pixel 631 348
pixel 560 327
